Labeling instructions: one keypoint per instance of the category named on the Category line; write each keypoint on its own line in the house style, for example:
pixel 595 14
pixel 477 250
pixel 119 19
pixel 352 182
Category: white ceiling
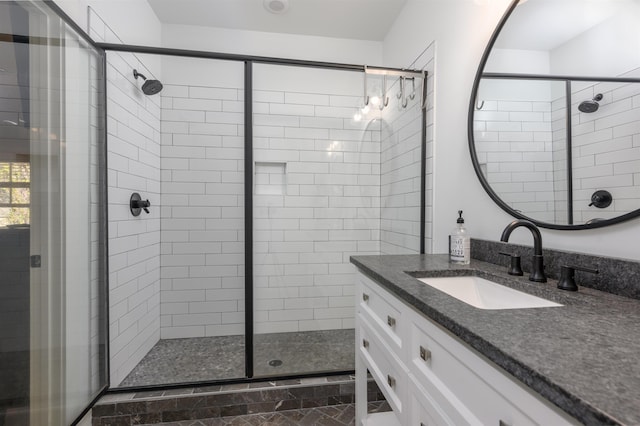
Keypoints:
pixel 353 19
pixel 547 24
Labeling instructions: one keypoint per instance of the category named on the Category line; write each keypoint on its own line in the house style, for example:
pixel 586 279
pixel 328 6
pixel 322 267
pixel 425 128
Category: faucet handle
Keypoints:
pixel 567 276
pixel 514 268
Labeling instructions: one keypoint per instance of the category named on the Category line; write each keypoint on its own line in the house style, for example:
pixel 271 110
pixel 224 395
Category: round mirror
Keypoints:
pixel 554 117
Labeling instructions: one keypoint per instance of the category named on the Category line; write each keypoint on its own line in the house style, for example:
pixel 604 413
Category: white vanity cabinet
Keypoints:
pixel 428 376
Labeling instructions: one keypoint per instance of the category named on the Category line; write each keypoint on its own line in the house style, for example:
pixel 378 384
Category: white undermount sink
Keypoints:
pixel 485 294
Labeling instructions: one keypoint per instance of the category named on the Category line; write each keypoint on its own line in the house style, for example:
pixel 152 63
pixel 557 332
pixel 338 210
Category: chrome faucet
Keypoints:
pixel 537 267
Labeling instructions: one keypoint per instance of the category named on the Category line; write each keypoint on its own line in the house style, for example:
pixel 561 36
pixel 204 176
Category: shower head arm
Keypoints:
pixel 136 74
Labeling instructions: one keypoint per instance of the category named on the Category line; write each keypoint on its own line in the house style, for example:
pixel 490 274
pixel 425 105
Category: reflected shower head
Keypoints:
pixel 592 105
pixel 150 87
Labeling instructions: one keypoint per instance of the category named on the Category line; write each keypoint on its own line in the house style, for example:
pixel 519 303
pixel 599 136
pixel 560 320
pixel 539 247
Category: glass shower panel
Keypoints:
pixel 194 234
pixel 400 168
pixel 52 332
pixel 316 202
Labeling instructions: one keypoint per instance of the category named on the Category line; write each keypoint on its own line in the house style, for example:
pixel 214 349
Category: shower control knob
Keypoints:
pixel 136 204
pixel 601 199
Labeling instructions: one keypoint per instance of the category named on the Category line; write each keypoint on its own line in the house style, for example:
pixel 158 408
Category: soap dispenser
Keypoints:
pixel 460 243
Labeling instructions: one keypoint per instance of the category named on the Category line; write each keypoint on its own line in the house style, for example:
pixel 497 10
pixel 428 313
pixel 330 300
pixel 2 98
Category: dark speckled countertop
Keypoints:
pixel 584 357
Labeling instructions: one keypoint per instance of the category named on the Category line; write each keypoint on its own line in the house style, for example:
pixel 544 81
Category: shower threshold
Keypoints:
pixel 200 359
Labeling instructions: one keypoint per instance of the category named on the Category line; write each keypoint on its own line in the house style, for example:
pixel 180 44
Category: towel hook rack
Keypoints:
pixel 385 99
pixel 366 96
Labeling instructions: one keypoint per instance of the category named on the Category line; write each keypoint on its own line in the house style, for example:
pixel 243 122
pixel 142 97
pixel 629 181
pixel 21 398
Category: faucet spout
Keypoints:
pixel 537 271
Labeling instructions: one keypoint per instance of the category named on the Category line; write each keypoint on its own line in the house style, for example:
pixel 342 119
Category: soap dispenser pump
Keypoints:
pixel 460 243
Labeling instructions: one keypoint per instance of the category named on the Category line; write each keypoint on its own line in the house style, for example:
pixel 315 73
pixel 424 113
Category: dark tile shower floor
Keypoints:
pixel 215 358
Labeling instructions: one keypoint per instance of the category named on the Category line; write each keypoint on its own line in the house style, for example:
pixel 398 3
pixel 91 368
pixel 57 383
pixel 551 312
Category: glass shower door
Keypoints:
pixel 52 337
pixel 316 202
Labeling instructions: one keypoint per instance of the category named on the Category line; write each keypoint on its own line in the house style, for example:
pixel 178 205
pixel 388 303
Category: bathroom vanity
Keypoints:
pixel 440 361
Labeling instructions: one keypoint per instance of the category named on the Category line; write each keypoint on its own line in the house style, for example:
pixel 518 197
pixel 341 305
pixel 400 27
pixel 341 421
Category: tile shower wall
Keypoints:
pixel 514 145
pixel 133 124
pixel 606 149
pixel 202 200
pixel 401 151
pixel 559 155
pixel 316 200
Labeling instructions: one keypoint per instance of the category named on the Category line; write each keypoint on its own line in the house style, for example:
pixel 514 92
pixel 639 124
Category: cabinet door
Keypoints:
pixel 426 411
pixel 388 372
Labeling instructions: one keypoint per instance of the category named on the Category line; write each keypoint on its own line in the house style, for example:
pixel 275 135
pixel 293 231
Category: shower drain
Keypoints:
pixel 275 363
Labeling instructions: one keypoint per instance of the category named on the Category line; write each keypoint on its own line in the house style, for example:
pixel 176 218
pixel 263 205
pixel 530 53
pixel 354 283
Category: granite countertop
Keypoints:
pixel 583 356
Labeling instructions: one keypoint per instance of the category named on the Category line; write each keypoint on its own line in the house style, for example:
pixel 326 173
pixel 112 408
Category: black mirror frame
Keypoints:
pixel 476 164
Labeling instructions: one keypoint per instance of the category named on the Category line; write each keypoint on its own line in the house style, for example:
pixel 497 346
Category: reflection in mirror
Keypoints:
pixel 535 159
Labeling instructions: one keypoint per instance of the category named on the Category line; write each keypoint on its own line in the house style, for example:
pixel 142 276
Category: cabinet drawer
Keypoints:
pixel 471 387
pixel 385 368
pixel 383 312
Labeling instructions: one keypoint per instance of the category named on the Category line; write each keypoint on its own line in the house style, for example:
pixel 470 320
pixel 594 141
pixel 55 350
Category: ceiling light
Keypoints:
pixel 277 7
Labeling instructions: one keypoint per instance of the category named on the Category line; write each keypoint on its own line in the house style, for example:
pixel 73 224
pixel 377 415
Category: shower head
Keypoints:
pixel 592 105
pixel 150 87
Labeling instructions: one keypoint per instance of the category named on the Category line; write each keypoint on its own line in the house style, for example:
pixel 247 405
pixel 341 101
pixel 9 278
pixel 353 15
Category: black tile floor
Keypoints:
pixel 336 415
pixel 217 358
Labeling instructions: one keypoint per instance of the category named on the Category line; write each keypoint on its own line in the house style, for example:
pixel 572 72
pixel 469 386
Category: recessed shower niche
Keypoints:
pixel 270 178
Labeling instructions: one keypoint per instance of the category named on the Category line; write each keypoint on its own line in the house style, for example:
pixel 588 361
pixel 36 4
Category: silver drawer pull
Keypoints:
pixel 425 353
pixel 391 381
pixel 365 343
pixel 391 321
pixel 503 423
pixel 365 297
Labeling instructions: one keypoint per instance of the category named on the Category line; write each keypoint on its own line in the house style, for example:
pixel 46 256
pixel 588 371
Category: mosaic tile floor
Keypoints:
pixel 216 358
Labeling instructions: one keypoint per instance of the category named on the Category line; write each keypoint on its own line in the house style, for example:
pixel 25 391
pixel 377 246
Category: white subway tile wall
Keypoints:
pixel 133 126
pixel 606 153
pixel 559 155
pixel 202 219
pixel 513 140
pixel 400 167
pixel 526 160
pixel 316 202
pixel 317 185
